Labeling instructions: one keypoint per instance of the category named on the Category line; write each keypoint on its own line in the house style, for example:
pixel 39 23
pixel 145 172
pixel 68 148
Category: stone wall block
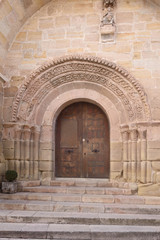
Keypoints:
pixel 116 166
pixel 2 170
pixel 116 151
pixel 46 145
pixel 46 155
pixel 125 170
pixel 8 153
pixel 17 167
pixel 158 177
pixel 45 165
pixel 156 165
pixel 143 171
pixel 149 172
pixel 8 144
pixel 36 170
pixel 153 154
pixel 34 36
pixel 11 164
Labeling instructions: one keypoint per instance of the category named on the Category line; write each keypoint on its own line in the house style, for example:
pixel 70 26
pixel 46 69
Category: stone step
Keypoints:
pixel 77 231
pixel 79 218
pixel 89 182
pixel 72 207
pixel 84 198
pixel 79 190
pixel 81 182
pixel 88 198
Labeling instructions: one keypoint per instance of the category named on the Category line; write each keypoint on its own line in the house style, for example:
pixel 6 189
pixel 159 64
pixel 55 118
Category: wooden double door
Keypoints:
pixel 82 142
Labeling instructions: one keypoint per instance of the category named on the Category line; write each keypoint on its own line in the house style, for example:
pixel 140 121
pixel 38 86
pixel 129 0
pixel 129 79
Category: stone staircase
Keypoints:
pixel 88 209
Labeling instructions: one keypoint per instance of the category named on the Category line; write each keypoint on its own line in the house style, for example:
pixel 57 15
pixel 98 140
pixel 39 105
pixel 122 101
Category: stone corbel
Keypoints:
pixel 108 21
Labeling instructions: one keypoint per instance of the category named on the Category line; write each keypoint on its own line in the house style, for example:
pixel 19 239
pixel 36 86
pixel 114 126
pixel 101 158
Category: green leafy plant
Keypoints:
pixel 11 175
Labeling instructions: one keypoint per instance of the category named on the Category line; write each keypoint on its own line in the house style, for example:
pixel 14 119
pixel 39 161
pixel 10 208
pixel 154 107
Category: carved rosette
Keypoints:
pixel 81 68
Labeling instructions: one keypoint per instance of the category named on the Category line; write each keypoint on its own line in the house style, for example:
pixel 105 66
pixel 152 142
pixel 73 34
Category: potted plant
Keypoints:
pixel 10 185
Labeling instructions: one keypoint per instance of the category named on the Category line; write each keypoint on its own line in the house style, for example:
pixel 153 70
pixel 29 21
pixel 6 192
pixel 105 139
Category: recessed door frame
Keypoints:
pixel 74 154
pixel 66 96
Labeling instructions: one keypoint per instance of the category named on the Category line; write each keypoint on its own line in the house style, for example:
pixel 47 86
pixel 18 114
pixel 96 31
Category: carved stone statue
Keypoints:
pixel 108 18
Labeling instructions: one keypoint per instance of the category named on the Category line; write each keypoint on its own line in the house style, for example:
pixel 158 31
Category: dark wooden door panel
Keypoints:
pixel 82 142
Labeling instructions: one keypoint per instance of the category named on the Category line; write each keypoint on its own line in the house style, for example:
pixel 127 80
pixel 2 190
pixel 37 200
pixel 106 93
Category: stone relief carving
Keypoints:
pixel 107 26
pixel 106 73
pixel 108 17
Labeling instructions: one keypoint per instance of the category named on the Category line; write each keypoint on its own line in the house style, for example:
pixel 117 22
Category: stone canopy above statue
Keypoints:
pixel 109 3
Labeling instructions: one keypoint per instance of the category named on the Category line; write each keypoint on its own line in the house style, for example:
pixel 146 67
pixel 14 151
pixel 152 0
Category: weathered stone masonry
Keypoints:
pixel 33 99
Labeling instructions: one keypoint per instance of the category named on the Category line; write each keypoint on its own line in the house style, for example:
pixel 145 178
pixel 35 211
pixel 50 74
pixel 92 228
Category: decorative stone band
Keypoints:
pixel 81 68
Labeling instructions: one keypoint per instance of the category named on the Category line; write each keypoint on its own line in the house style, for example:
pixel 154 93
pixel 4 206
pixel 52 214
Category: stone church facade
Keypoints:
pixel 58 53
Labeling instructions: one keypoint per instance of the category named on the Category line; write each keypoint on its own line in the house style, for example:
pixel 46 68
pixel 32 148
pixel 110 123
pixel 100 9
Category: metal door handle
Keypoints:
pixel 95 150
pixel 69 151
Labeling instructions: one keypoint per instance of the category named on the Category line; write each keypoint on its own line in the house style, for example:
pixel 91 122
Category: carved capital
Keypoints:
pixel 143 134
pixel 27 132
pixel 18 132
pixel 134 135
pixel 125 136
pixel 36 133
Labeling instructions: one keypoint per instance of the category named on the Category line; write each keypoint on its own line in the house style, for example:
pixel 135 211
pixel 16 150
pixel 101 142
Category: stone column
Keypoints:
pixel 134 138
pixel 143 139
pixel 36 137
pixel 27 134
pixel 125 155
pixel 2 160
pixel 8 145
pixel 31 170
pixel 138 158
pixel 17 150
pixel 129 157
pixel 22 162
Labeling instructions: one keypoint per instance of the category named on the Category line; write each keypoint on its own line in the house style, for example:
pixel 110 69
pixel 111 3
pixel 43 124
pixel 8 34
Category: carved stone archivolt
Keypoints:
pixel 82 68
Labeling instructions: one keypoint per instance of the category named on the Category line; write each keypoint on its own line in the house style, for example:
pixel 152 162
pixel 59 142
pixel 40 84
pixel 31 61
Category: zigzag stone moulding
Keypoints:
pixel 82 68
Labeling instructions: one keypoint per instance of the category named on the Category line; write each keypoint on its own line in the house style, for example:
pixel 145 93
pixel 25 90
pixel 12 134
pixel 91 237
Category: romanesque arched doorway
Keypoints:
pixel 55 85
pixel 82 142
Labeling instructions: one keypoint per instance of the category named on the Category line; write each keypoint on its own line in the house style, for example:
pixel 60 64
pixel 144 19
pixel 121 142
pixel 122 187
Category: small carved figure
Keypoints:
pixel 108 18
